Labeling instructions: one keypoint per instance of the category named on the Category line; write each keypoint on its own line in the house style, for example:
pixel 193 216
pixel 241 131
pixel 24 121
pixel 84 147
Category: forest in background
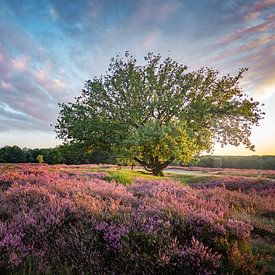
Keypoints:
pixel 74 154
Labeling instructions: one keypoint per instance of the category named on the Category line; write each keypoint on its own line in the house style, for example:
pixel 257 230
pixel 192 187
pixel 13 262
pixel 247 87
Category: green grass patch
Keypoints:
pixel 119 177
pixel 190 179
pixel 126 176
pixel 138 174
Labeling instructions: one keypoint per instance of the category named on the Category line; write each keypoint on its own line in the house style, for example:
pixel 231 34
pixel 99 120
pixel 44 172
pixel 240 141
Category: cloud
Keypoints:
pixel 53 13
pixel 146 15
pixel 156 10
pixel 31 81
pixel 252 16
pixel 21 62
pixel 5 85
pixel 259 80
pixel 243 33
pixel 256 9
pixel 150 39
pixel 263 4
pixel 46 79
pixel 245 48
pixel 266 88
pixel 11 119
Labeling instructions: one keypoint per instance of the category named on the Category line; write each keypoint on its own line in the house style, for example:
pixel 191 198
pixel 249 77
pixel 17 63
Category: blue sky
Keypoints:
pixel 48 49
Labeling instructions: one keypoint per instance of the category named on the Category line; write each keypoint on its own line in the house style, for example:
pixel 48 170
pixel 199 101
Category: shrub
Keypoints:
pixel 40 159
pixel 63 221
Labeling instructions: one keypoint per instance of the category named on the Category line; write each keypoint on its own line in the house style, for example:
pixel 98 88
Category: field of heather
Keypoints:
pixel 88 219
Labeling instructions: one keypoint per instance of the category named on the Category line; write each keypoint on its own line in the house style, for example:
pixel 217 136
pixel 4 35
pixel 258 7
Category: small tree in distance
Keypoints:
pixel 158 112
pixel 40 159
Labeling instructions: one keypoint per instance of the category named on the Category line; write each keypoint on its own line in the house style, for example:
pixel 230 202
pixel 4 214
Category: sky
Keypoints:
pixel 49 48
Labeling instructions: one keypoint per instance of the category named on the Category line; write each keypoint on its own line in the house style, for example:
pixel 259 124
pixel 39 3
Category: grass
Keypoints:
pixel 126 176
pixel 119 177
pixel 190 179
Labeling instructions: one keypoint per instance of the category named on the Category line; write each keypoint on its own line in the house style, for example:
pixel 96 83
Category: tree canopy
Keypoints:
pixel 158 112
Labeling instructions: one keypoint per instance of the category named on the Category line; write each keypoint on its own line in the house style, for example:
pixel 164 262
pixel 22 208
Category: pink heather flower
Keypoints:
pixel 240 229
pixel 112 233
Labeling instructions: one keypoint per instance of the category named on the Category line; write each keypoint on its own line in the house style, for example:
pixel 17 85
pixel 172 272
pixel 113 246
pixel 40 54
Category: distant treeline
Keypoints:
pixel 63 154
pixel 75 154
pixel 243 162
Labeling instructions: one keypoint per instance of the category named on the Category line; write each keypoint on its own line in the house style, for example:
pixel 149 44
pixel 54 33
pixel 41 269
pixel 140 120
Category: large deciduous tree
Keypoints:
pixel 158 112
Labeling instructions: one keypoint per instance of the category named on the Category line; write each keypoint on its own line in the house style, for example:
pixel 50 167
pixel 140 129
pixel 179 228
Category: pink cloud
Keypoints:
pixel 271 18
pixel 267 25
pixel 244 48
pixel 21 62
pixel 166 9
pixel 252 15
pixel 41 75
pixel 5 64
pixel 153 10
pixel 255 10
pixel 150 39
pixel 58 84
pixel 6 85
pixel 44 78
pixel 1 57
pixel 263 4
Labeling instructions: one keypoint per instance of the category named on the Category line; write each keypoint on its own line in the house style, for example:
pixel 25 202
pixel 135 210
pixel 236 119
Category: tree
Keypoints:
pixel 40 159
pixel 52 156
pixel 12 154
pixel 158 112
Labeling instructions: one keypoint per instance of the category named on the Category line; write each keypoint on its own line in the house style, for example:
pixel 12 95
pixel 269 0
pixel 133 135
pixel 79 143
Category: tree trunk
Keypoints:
pixel 156 168
pixel 158 171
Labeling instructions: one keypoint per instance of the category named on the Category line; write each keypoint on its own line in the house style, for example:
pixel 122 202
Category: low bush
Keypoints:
pixel 66 222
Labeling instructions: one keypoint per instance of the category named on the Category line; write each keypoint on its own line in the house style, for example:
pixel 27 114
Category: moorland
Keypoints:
pixel 72 219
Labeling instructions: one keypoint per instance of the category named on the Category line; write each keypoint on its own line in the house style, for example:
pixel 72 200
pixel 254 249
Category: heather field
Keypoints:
pixel 88 219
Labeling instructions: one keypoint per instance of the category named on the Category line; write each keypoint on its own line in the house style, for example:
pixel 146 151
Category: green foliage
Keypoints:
pixel 190 179
pixel 243 162
pixel 40 159
pixel 68 154
pixel 126 176
pixel 12 154
pixel 157 143
pixel 158 112
pixel 119 177
pixel 78 154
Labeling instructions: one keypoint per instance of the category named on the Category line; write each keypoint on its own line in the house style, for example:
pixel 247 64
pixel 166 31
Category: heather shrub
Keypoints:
pixel 239 202
pixel 199 259
pixel 243 262
pixel 77 223
pixel 262 187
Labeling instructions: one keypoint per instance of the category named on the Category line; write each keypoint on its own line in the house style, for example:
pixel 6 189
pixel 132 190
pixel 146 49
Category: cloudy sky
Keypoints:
pixel 48 48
